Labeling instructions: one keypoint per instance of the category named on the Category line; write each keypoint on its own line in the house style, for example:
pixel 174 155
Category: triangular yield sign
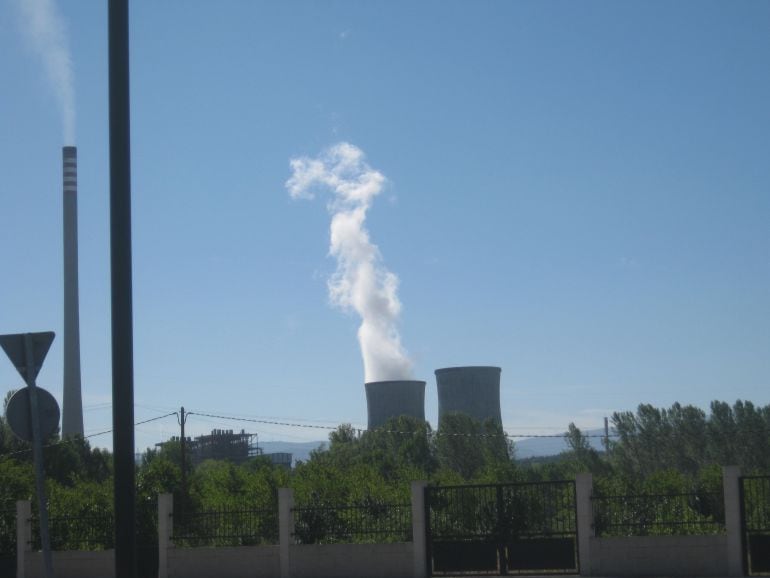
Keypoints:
pixel 14 348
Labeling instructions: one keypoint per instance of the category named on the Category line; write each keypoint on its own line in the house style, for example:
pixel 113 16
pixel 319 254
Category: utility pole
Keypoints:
pixel 182 448
pixel 121 289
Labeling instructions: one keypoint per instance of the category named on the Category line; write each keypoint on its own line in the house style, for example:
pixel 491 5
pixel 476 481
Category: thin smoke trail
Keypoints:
pixel 45 29
pixel 361 282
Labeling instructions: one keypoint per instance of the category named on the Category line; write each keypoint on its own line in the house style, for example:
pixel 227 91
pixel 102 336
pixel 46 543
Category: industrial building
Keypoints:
pixel 223 444
pixel 235 447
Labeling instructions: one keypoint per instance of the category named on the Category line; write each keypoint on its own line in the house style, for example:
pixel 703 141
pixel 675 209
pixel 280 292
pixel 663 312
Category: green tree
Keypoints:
pixel 581 457
pixel 685 439
pixel 468 446
pixel 17 482
pixel 9 443
pixel 158 476
pixel 73 459
pixel 401 445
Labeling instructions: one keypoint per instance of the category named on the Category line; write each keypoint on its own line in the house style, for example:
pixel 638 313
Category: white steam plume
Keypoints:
pixel 361 282
pixel 43 25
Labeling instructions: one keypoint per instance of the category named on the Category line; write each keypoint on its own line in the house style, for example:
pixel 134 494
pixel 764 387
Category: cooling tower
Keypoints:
pixel 387 399
pixel 72 407
pixel 474 391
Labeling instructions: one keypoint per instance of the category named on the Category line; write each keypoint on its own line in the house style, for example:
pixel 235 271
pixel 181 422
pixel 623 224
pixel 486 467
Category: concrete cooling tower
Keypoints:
pixel 387 399
pixel 474 391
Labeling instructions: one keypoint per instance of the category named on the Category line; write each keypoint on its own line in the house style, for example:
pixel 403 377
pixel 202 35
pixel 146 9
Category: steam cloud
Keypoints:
pixel 361 282
pixel 46 31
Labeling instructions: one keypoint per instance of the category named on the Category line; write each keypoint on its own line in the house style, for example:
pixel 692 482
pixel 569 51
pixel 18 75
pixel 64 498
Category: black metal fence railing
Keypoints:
pixel 7 533
pixel 225 527
pixel 755 522
pixel 7 542
pixel 357 523
pixel 756 503
pixel 147 536
pixel 524 510
pixel 147 521
pixel 90 532
pixel 659 514
pixel 96 531
pixel 516 528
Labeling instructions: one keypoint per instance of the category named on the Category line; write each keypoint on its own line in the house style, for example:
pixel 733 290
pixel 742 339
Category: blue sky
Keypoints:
pixel 576 192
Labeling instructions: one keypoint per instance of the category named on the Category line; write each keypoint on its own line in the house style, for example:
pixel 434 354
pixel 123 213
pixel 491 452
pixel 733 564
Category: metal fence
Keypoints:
pixel 659 514
pixel 7 539
pixel 147 521
pixel 507 510
pixel 7 533
pixel 755 522
pixel 89 532
pixel 225 527
pixel 755 493
pixel 357 523
pixel 147 535
pixel 96 531
pixel 502 528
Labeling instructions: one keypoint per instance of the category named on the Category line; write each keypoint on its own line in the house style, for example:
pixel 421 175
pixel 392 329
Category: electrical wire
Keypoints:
pixel 437 433
pixel 100 433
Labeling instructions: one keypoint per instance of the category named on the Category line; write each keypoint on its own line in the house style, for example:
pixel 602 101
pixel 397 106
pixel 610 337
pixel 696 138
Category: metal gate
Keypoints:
pixel 502 529
pixel 755 524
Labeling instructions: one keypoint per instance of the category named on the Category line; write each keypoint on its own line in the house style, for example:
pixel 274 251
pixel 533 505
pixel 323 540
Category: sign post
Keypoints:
pixel 27 352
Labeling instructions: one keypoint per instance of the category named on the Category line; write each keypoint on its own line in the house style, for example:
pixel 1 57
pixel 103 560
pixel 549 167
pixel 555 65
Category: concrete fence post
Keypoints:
pixel 285 528
pixel 165 531
pixel 584 488
pixel 23 535
pixel 420 564
pixel 731 482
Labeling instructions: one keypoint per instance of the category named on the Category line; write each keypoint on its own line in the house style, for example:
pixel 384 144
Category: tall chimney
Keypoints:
pixel 72 410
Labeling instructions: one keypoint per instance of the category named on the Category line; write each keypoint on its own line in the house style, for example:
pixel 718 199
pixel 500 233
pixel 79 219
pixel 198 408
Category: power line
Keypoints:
pixel 136 424
pixel 263 421
pixel 160 408
pixel 333 428
pixel 436 433
pixel 100 433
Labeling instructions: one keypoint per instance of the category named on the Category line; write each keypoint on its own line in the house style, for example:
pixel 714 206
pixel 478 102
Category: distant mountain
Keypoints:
pixel 538 447
pixel 525 448
pixel 300 451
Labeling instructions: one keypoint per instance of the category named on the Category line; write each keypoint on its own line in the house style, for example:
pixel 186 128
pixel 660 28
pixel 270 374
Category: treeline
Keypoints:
pixel 685 439
pixel 676 449
pixel 653 449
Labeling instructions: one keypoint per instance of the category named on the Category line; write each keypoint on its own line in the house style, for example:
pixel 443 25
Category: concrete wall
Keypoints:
pixel 100 564
pixel 235 562
pixel 658 556
pixel 713 555
pixel 351 560
pixel 701 556
pixel 306 560
pixel 635 556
